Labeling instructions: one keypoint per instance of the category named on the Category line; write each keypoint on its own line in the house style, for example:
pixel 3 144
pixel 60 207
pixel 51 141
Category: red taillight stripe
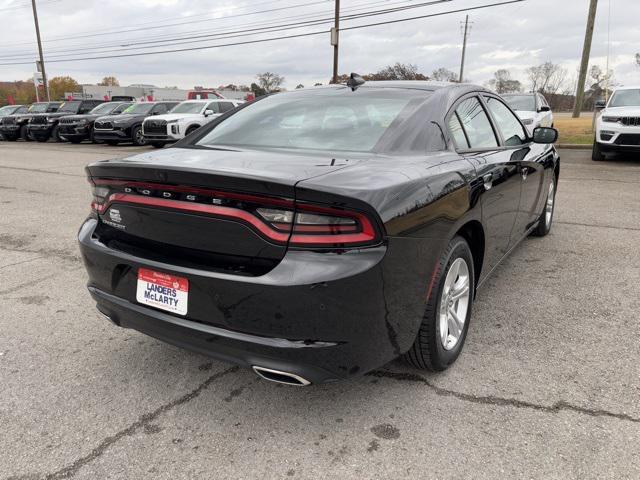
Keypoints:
pixel 224 212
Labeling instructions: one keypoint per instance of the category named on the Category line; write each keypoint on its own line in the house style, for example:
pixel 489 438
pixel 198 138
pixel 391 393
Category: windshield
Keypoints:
pixel 104 109
pixel 188 107
pixel 322 120
pixel 525 103
pixel 7 109
pixel 121 108
pixel 38 108
pixel 626 98
pixel 139 108
pixel 69 107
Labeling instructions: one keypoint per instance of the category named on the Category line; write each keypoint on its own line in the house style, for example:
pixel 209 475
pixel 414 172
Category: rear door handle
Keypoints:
pixel 488 181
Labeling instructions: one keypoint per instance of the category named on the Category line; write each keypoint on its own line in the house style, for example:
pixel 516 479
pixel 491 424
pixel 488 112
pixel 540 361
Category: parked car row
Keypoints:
pixel 157 123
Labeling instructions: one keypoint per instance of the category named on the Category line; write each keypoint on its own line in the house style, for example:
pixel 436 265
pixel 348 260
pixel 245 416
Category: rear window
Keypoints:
pixel 323 120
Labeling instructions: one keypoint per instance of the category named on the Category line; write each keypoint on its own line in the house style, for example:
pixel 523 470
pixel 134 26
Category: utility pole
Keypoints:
pixel 44 75
pixel 586 53
pixel 464 48
pixel 335 34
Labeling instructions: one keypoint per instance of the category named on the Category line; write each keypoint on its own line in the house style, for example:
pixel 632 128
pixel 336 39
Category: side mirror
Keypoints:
pixel 208 112
pixel 545 135
pixel 545 108
pixel 601 104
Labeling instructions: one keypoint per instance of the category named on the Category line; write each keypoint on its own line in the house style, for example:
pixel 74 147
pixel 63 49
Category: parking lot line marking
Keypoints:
pixel 632 229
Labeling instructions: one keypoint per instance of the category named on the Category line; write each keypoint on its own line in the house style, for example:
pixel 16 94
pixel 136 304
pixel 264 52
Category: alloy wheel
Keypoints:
pixel 551 197
pixel 454 304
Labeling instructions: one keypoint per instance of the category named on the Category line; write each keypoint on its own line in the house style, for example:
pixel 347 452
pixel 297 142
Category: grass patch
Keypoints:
pixel 575 130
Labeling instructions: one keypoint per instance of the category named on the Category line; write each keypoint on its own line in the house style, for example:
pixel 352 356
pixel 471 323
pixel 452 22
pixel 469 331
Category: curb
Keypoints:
pixel 573 146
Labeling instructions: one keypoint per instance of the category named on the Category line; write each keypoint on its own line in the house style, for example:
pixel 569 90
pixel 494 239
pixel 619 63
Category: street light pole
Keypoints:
pixel 464 48
pixel 44 75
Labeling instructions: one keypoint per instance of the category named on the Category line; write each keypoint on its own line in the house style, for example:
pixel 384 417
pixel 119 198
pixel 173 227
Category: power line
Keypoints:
pixel 271 39
pixel 244 33
pixel 150 40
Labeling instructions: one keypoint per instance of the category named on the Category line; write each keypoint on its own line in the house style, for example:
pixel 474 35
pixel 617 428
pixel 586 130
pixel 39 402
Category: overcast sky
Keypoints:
pixel 511 36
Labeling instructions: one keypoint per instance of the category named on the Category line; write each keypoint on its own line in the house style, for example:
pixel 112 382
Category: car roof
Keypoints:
pixel 630 87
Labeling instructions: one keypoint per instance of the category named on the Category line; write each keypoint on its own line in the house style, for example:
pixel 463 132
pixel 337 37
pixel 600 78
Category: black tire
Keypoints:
pixel 427 351
pixel 545 221
pixel 596 154
pixel 137 137
pixel 75 140
pixel 112 143
pixel 55 135
pixel 24 133
pixel 157 145
pixel 190 130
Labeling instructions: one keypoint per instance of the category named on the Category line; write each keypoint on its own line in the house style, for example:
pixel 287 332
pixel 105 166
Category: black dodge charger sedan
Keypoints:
pixel 127 126
pixel 318 234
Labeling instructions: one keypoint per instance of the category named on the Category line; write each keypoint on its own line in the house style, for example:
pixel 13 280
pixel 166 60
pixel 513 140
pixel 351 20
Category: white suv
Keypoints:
pixel 532 108
pixel 618 125
pixel 184 118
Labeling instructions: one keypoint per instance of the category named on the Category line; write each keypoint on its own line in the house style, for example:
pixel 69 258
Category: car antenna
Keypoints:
pixel 355 81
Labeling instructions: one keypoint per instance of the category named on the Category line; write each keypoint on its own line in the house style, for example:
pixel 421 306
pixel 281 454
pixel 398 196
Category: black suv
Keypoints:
pixel 15 126
pixel 43 127
pixel 127 127
pixel 76 128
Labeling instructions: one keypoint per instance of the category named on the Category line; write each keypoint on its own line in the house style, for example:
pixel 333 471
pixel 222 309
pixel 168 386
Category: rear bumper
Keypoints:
pixel 321 316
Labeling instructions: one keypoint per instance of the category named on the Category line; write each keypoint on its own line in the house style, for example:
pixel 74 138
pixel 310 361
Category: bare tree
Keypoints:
pixel 299 86
pixel 503 83
pixel 547 78
pixel 444 75
pixel 399 71
pixel 270 82
pixel 109 81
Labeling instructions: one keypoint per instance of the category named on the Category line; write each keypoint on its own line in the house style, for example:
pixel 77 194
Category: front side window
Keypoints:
pixel 512 130
pixel 214 107
pixel 225 106
pixel 476 124
pixel 339 120
pixel 120 108
pixel 104 109
pixel 38 108
pixel 160 109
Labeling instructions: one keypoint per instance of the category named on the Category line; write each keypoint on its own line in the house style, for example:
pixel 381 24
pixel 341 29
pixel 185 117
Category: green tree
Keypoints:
pixel 59 85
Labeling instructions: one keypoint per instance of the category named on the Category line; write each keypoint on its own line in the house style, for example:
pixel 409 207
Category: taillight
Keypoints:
pixel 280 220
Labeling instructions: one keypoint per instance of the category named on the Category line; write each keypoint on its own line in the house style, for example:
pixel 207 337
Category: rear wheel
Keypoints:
pixel 596 154
pixel 546 219
pixel 446 319
pixel 138 137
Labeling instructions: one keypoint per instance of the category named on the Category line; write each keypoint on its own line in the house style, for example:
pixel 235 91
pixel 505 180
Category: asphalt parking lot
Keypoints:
pixel 547 387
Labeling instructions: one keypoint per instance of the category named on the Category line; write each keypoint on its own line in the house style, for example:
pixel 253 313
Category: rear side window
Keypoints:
pixel 455 127
pixel 476 124
pixel 510 127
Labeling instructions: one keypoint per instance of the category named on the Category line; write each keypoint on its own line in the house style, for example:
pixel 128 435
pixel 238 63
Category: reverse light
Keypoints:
pixel 278 220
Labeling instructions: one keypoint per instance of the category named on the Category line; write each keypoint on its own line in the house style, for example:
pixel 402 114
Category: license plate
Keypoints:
pixel 163 291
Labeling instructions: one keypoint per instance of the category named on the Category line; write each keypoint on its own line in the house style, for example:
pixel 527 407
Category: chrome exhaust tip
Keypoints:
pixel 278 376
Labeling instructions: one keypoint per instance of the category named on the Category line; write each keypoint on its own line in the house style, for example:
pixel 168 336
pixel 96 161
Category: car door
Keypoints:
pixel 529 159
pixel 476 139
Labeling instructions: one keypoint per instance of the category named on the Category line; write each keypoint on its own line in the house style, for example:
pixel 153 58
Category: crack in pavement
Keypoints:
pixel 143 421
pixel 557 407
pixel 598 226
pixel 20 263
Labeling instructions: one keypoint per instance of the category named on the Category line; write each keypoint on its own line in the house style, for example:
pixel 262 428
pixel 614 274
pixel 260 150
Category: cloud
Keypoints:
pixel 512 36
